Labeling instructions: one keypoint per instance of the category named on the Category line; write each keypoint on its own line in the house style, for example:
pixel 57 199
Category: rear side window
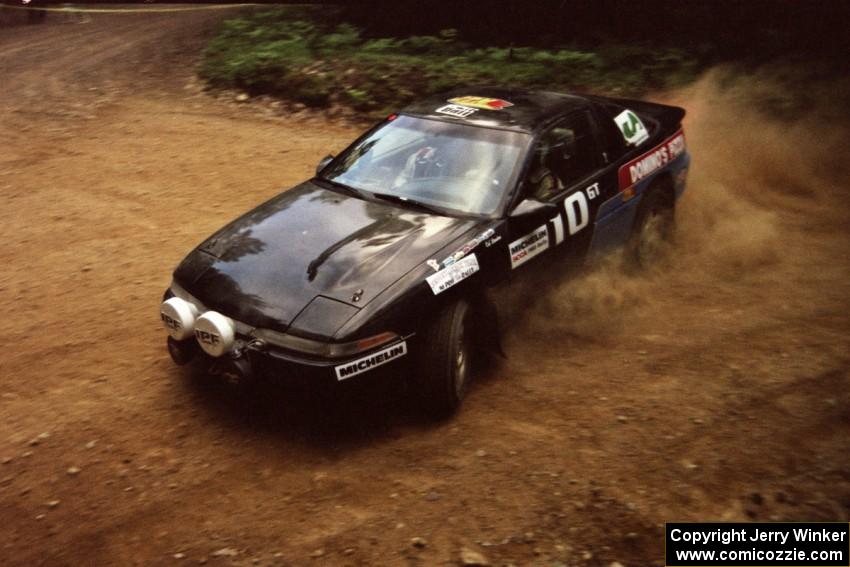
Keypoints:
pixel 623 129
pixel 613 142
pixel 632 128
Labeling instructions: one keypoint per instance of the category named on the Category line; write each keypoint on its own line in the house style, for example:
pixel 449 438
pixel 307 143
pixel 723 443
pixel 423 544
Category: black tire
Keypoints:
pixel 653 229
pixel 445 365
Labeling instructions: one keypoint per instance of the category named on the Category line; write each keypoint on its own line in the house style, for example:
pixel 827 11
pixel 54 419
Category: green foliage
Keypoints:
pixel 297 55
pixel 345 36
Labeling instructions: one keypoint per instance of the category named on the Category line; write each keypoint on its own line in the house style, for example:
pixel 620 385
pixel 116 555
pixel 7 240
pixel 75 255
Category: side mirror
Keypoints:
pixel 323 163
pixel 528 207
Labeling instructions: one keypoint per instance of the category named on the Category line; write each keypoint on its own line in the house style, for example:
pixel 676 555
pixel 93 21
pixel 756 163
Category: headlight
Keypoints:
pixel 317 348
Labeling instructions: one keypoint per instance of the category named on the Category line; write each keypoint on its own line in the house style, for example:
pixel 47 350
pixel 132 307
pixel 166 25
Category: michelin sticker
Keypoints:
pixel 456 110
pixel 631 127
pixel 529 246
pixel 453 274
pixel 374 360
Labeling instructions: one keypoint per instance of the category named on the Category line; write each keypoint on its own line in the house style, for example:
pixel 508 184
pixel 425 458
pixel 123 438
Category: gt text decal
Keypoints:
pixel 653 160
pixel 631 127
pixel 481 102
pixel 454 274
pixel 529 246
pixel 456 110
pixel 367 363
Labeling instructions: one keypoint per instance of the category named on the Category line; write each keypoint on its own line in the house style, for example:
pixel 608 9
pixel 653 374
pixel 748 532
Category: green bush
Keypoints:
pixel 295 54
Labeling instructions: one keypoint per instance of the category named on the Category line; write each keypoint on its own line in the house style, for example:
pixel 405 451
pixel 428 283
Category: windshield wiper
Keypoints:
pixel 412 203
pixel 338 185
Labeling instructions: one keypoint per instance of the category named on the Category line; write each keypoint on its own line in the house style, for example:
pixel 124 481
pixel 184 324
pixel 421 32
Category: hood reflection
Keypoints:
pixel 311 241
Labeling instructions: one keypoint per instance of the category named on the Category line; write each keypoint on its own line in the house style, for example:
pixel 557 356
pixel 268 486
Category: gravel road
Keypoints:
pixel 714 387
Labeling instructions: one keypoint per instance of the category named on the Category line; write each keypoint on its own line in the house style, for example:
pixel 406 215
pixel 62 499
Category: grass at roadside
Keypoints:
pixel 295 55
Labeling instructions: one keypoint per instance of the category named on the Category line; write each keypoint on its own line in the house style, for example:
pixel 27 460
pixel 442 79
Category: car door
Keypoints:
pixel 561 191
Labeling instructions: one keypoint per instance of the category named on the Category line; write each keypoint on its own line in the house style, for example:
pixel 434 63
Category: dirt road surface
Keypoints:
pixel 715 387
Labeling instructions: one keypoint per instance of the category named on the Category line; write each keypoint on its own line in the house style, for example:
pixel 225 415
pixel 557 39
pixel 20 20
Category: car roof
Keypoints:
pixel 525 109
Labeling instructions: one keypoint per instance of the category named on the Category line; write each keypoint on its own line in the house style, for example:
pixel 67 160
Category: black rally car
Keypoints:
pixel 384 258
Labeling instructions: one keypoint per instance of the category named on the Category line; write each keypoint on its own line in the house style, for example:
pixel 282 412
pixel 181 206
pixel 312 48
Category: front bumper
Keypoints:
pixel 257 361
pixel 254 358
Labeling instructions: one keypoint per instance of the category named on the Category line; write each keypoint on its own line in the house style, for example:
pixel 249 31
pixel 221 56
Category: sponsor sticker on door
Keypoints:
pixel 524 249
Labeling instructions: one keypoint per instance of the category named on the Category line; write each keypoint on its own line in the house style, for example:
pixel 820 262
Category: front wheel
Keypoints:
pixel 445 366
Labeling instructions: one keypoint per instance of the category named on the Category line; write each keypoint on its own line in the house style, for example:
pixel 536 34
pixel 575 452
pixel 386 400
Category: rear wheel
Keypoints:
pixel 445 366
pixel 653 230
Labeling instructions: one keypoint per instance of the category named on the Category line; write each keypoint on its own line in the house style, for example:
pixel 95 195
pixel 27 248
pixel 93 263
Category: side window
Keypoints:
pixel 624 129
pixel 612 139
pixel 565 154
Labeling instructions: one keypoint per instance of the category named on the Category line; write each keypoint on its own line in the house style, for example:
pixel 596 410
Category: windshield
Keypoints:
pixel 450 166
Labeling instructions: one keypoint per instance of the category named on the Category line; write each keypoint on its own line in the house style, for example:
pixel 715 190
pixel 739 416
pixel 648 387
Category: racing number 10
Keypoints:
pixel 577 210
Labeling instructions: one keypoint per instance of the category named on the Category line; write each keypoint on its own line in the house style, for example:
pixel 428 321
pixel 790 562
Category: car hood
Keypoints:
pixel 264 268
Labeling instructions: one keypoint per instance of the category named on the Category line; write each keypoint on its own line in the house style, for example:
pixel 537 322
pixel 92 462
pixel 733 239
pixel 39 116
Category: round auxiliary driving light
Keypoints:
pixel 215 333
pixel 178 317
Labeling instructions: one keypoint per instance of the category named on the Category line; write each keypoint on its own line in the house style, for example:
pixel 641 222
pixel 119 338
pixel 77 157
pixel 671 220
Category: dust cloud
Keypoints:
pixel 764 176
